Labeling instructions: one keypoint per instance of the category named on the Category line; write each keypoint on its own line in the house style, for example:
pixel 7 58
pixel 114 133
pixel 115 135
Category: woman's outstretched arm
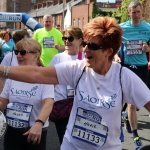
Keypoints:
pixel 30 74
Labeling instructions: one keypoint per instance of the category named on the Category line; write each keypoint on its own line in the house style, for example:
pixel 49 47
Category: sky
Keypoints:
pixel 111 1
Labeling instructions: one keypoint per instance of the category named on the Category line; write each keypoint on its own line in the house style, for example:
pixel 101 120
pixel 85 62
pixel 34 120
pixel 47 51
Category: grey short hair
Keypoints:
pixel 47 16
pixel 134 4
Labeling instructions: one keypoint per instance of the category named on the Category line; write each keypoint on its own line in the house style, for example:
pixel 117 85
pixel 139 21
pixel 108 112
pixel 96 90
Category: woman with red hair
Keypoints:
pixel 101 87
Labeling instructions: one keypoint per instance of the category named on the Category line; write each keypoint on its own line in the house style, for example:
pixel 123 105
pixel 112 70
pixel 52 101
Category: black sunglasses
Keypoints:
pixel 92 46
pixel 70 38
pixel 23 52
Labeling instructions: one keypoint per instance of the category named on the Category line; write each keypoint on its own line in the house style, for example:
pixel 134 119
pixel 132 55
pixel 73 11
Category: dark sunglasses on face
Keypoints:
pixel 70 38
pixel 92 46
pixel 23 52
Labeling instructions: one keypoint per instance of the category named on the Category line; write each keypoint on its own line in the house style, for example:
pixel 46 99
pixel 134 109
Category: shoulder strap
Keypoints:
pixel 121 83
pixel 122 54
pixel 79 78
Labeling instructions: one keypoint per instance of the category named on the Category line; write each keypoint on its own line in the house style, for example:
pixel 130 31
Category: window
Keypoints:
pixel 83 23
pixel 78 22
pixel 74 22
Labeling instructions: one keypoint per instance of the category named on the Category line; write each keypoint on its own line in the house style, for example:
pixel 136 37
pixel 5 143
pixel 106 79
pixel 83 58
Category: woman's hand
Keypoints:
pixel 34 134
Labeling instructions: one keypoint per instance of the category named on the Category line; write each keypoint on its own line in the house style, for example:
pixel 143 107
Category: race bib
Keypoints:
pixel 88 127
pixel 48 42
pixel 70 92
pixel 18 115
pixel 134 47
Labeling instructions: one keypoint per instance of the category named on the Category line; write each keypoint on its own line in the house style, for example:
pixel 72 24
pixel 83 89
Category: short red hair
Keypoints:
pixel 107 29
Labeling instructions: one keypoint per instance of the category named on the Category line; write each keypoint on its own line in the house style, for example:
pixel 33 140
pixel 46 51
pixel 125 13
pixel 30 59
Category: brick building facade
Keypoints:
pixel 84 15
pixel 81 11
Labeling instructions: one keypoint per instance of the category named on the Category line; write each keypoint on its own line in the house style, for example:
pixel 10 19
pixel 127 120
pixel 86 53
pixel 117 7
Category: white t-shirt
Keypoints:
pixel 61 91
pixel 25 101
pixel 10 59
pixel 95 118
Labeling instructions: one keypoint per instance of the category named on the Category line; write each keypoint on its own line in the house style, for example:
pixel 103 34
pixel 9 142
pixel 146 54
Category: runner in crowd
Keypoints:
pixel 48 37
pixel 1 35
pixel 72 38
pixel 133 53
pixel 10 59
pixel 27 105
pixel 101 87
pixel 6 45
pixel 58 27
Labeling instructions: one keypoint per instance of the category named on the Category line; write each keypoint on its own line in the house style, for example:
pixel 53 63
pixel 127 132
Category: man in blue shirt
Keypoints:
pixel 133 56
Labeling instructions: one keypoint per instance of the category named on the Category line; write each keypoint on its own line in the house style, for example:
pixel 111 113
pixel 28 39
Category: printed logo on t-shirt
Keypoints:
pixel 23 93
pixel 90 128
pixel 134 47
pixel 107 102
pixel 142 32
pixel 48 42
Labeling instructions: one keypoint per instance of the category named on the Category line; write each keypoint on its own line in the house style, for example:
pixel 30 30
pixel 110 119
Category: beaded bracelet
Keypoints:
pixel 6 71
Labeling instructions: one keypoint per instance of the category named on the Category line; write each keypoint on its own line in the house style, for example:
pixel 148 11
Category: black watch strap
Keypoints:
pixel 38 120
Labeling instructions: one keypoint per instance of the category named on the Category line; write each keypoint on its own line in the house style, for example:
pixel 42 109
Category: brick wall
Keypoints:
pixel 80 19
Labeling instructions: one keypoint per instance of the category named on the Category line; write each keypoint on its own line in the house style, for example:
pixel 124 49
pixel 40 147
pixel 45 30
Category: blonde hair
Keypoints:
pixel 76 32
pixel 36 47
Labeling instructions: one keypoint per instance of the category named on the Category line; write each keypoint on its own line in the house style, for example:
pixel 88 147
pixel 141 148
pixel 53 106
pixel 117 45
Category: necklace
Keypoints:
pixel 98 86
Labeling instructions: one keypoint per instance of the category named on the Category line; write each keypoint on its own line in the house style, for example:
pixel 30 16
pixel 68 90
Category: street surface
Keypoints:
pixel 143 130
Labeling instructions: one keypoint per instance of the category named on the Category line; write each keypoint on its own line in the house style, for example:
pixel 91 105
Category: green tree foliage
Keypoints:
pixel 95 11
pixel 121 14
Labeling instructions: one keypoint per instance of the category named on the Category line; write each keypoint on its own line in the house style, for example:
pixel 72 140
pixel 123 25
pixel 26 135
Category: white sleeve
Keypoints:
pixel 69 72
pixel 47 91
pixel 55 60
pixel 52 62
pixel 6 89
pixel 135 90
pixel 6 60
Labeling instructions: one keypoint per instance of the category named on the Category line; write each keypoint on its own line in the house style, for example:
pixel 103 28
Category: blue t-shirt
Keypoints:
pixel 133 38
pixel 7 47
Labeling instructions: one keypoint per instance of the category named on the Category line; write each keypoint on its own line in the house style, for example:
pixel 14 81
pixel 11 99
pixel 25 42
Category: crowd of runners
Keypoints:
pixel 78 79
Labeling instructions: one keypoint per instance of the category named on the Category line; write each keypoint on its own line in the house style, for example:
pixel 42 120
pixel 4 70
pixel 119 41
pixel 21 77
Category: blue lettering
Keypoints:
pixel 112 103
pixel 33 93
pixel 28 93
pixel 86 98
pixel 81 95
pixel 106 103
pixel 11 90
pixel 94 100
pixel 22 93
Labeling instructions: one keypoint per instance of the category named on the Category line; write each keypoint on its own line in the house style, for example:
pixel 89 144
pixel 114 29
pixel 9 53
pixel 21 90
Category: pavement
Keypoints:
pixel 143 130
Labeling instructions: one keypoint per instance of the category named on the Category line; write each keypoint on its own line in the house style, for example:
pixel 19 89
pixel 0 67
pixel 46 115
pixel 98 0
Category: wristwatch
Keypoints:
pixel 38 120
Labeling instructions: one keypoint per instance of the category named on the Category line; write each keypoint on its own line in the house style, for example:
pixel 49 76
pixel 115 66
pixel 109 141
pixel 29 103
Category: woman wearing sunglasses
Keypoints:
pixel 72 37
pixel 101 87
pixel 27 105
pixel 10 59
